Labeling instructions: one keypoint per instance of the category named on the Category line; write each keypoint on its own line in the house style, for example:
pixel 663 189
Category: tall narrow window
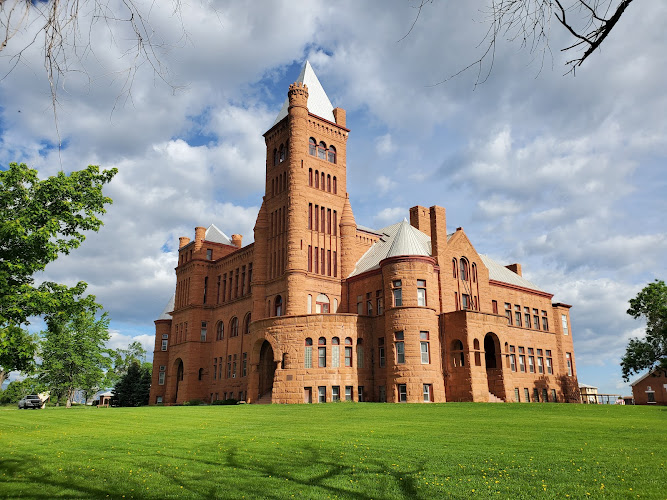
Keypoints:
pixel 545 321
pixel 464 270
pixel 398 296
pixel 421 293
pixel 329 182
pixel 335 185
pixel 243 289
pixel 244 369
pixel 494 306
pixel 316 227
pixel 348 393
pixel 465 301
pixel 234 367
pixel 312 147
pixel 278 306
pixel 517 315
pixel 335 265
pixel 316 256
pixel 360 354
pixel 203 331
pixel 322 261
pixel 310 216
pixel 550 368
pixel 512 358
pixel 322 150
pixel 322 184
pixel 428 393
pixel 335 352
pixel 281 151
pixel 246 324
pixel 424 348
pixel 165 341
pixel 508 313
pixel 563 319
pixel 458 356
pixel 454 268
pixel 219 331
pixel 310 176
pixel 317 179
pixel 322 394
pixel 335 223
pixel 348 351
pixel 335 393
pixel 322 352
pixel 310 259
pixel 205 288
pixel 328 262
pixel 381 354
pixel 369 304
pixel 399 345
pixel 328 221
pixel 308 354
pixel 379 302
pixel 332 154
pixel 568 358
pixel 234 327
pixel 526 316
pixel 275 157
pixel 322 226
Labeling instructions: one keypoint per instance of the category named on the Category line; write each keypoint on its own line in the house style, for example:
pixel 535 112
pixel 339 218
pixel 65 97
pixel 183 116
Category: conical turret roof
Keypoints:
pixel 318 101
pixel 168 308
pixel 347 217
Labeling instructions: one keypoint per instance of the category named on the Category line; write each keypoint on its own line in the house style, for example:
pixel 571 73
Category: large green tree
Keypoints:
pixel 74 354
pixel 651 351
pixel 122 360
pixel 133 388
pixel 40 220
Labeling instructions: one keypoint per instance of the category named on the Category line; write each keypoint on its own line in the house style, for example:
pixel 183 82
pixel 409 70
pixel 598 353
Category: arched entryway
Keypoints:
pixel 179 377
pixel 267 369
pixel 494 365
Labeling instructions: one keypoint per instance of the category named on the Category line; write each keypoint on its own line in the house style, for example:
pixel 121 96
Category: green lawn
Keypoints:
pixel 344 450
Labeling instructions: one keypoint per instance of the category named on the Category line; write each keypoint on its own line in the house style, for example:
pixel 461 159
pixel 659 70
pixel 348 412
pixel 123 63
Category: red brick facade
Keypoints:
pixel 287 319
pixel 651 389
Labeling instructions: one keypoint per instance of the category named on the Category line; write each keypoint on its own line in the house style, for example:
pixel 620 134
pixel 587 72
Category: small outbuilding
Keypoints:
pixel 651 389
pixel 105 399
pixel 589 394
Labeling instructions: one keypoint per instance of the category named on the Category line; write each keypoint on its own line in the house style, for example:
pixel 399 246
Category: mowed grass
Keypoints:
pixel 343 450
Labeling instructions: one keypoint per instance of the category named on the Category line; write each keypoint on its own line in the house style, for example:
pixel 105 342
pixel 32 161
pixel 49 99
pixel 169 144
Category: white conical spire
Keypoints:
pixel 318 102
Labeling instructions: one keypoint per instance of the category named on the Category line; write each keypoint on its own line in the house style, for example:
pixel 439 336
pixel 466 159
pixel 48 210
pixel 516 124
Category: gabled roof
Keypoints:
pixel 318 102
pixel 650 372
pixel 397 239
pixel 498 272
pixel 168 308
pixel 216 236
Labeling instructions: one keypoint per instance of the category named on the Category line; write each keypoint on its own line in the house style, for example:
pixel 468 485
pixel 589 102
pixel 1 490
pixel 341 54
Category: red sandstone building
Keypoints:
pixel 322 309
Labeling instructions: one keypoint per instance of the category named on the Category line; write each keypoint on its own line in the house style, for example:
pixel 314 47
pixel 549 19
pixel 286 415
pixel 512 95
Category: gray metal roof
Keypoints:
pixel 216 236
pixel 397 239
pixel 499 272
pixel 318 102
pixel 168 308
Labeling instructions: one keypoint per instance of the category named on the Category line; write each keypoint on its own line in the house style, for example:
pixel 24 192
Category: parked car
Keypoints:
pixel 31 401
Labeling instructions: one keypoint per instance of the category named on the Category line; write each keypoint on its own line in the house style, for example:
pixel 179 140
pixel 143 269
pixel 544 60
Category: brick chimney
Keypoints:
pixel 420 218
pixel 515 268
pixel 200 234
pixel 237 240
pixel 438 231
pixel 339 116
pixel 182 241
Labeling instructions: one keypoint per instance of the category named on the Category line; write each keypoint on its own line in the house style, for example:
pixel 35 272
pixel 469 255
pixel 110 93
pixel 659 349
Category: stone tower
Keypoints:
pixel 304 200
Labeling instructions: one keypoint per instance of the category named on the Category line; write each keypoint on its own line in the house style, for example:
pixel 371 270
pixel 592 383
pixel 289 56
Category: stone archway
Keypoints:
pixel 494 365
pixel 267 369
pixel 179 377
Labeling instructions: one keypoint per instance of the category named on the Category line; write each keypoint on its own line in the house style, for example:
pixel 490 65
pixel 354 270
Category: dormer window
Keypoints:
pixel 322 151
pixel 332 154
pixel 312 147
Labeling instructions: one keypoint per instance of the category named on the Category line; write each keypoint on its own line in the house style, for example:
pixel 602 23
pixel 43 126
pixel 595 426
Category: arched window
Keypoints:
pixel 308 353
pixel 285 361
pixel 282 153
pixel 234 327
pixel 312 147
pixel 335 352
pixel 279 306
pixel 322 352
pixel 220 331
pixel 201 373
pixel 322 150
pixel 478 356
pixel 310 176
pixel 322 184
pixel 335 185
pixel 329 183
pixel 275 157
pixel 246 324
pixel 475 344
pixel 464 269
pixel 332 154
pixel 458 357
pixel 317 179
pixel 348 341
pixel 454 267
pixel 474 272
pixel 321 304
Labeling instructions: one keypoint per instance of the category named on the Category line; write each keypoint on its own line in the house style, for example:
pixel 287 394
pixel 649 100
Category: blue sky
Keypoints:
pixel 563 174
